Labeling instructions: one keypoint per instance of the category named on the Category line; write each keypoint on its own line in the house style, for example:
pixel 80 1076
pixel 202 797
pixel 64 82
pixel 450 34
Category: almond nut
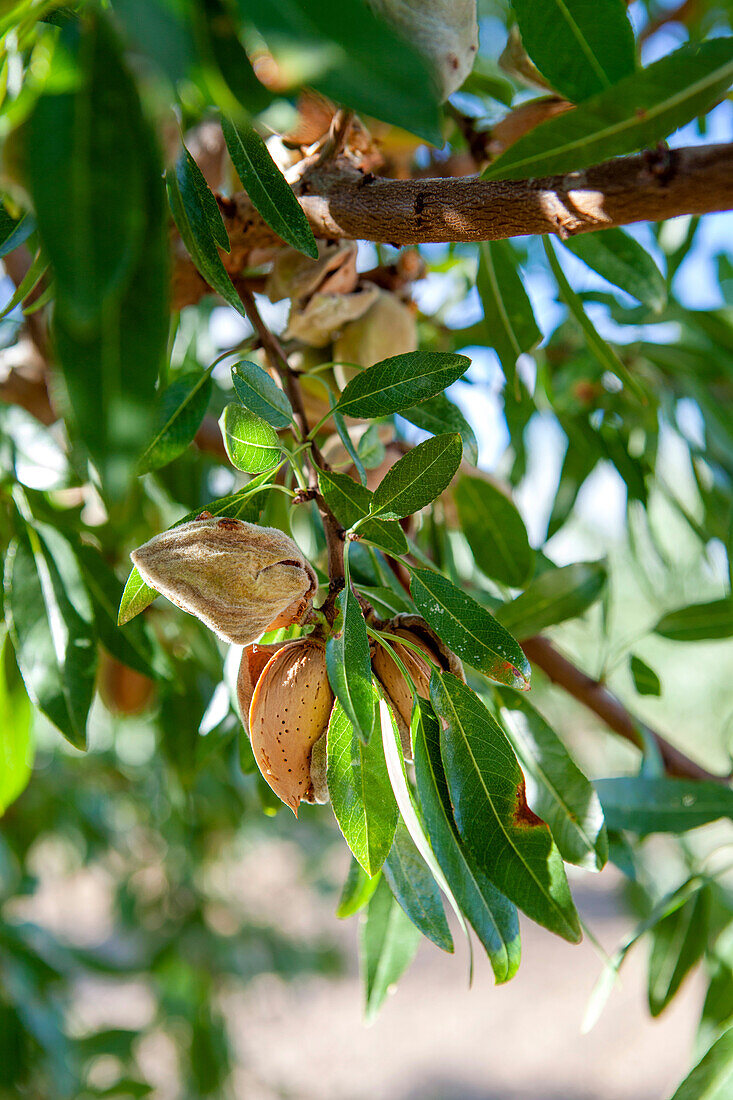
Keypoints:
pixel 289 713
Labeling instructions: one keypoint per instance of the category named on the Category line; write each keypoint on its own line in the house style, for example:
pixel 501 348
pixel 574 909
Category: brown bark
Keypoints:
pixel 596 697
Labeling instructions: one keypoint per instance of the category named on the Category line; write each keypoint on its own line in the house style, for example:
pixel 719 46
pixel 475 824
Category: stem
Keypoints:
pixel 331 527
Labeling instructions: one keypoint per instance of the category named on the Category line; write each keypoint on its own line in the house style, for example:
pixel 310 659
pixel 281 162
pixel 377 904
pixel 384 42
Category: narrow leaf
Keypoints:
pixel 348 661
pixel 620 259
pixel 51 623
pixel 512 846
pixel 712 1077
pixel 492 916
pixel 251 443
pixel 679 941
pixel 606 355
pixel 357 890
pixel 388 941
pixel 14 231
pixel 190 215
pixel 553 597
pixel 400 382
pixel 16 742
pixel 259 393
pixel 180 409
pixel 645 678
pixel 267 188
pixel 644 805
pixel 495 531
pixel 509 324
pixel 469 629
pixel 416 890
pixel 419 477
pixel 699 622
pixel 639 110
pixel 564 797
pixel 360 791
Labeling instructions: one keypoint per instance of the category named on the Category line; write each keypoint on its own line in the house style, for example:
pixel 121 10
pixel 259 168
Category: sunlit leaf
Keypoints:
pixel 350 502
pixel 512 846
pixel 251 443
pixel 180 409
pixel 469 629
pixel 388 941
pixel 418 477
pixel 267 188
pixel 400 382
pixel 637 111
pixel 257 392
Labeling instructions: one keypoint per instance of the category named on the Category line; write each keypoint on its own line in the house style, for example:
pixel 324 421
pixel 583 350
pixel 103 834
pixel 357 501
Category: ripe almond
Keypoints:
pixel 254 659
pixel 289 712
pixel 238 578
pixel 398 690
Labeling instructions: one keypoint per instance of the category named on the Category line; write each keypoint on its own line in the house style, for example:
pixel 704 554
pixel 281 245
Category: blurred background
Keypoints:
pixel 165 931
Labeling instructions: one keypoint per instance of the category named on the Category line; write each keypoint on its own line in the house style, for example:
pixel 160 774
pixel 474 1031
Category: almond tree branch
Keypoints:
pixel 340 201
pixel 596 697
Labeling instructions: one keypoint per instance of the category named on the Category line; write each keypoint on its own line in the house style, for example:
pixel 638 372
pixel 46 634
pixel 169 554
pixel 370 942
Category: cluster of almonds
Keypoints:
pixel 242 580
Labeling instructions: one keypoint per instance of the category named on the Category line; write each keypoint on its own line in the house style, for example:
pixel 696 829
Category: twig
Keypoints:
pixel 332 528
pixel 596 697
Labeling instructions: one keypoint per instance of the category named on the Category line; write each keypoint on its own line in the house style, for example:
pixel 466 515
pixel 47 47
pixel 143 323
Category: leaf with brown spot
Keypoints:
pixel 509 843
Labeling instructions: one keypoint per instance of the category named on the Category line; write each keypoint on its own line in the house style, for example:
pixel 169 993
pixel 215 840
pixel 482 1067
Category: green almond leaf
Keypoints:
pixel 199 233
pixel 267 188
pixel 85 170
pixel 357 890
pixel 340 426
pixel 388 942
pixel 639 110
pixel 469 629
pixel 28 283
pixel 620 259
pixel 51 624
pixel 712 1077
pixel 95 166
pixel 251 443
pixel 261 395
pixel 350 502
pixel 415 889
pixel 553 597
pixel 580 48
pixel 495 531
pixel 349 666
pixel 180 409
pixel 400 382
pixel 137 595
pixel 644 805
pixel 419 477
pixel 509 324
pixel 492 916
pixel 209 205
pixel 699 622
pixel 360 791
pixel 565 798
pixel 218 34
pixel 645 678
pixel 353 58
pixel 606 355
pixel 512 846
pixel 679 941
pixel 16 742
pixel 136 647
pixel 439 415
pixel 14 231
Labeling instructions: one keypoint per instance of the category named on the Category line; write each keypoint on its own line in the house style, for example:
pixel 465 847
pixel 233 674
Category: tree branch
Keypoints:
pixel 340 201
pixel 596 697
